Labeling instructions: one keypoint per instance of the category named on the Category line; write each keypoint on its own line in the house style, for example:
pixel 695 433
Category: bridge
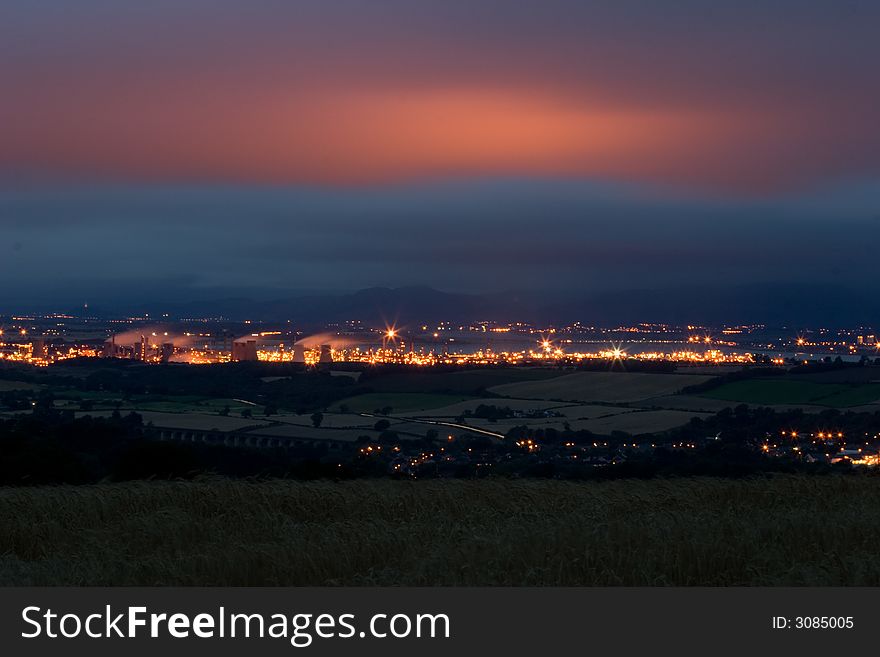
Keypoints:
pixel 240 439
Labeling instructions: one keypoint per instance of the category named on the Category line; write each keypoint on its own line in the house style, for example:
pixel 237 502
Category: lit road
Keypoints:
pixel 453 425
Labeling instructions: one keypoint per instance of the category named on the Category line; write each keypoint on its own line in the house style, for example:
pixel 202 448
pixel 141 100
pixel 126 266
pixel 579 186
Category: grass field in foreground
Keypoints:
pixel 786 530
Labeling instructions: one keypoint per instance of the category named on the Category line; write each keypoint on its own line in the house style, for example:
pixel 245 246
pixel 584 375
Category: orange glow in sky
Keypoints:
pixel 337 92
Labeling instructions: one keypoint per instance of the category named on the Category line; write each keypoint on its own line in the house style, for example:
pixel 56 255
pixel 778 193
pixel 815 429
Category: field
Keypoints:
pixel 636 422
pixel 397 401
pixel 6 386
pixel 797 391
pixel 779 531
pixel 601 402
pixel 464 382
pixel 458 408
pixel 195 421
pixel 610 387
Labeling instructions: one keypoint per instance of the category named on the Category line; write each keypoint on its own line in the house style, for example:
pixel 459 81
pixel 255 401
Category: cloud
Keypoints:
pixel 748 96
pixel 163 243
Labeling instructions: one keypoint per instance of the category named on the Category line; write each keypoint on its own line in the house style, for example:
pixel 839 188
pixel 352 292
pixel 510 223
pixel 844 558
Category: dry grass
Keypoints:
pixel 779 531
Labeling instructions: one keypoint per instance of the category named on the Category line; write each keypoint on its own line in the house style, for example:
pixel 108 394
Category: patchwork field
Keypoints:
pixel 600 402
pixel 544 394
pixel 611 387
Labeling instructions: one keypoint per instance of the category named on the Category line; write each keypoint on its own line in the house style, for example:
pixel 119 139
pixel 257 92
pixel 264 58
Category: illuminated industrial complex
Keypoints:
pixel 41 341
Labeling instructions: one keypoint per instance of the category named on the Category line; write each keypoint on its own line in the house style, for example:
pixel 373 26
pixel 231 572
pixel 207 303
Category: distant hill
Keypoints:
pixel 773 304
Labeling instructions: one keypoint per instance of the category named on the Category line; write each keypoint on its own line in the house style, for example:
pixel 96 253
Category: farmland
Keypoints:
pixel 596 401
pixel 6 386
pixel 461 381
pixel 397 401
pixel 768 392
pixel 611 387
pixel 279 402
pixel 198 421
pixel 636 422
pixel 776 531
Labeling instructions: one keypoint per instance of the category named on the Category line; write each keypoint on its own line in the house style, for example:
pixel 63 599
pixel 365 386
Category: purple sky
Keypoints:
pixel 315 144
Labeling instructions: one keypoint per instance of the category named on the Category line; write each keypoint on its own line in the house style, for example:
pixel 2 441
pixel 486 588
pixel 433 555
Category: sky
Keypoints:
pixel 188 147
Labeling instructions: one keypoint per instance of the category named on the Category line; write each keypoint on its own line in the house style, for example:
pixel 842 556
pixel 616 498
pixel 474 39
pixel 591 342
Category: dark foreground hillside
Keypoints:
pixel 784 530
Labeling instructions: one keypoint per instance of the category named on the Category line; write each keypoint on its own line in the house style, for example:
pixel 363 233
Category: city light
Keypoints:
pixel 437 344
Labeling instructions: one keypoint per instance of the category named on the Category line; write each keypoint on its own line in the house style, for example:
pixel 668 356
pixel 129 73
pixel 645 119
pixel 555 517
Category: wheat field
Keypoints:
pixel 784 530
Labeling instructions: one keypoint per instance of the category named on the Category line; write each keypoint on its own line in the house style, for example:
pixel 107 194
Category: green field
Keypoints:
pixel 397 401
pixel 6 386
pixel 608 387
pixel 467 382
pixel 69 398
pixel 794 391
pixel 784 530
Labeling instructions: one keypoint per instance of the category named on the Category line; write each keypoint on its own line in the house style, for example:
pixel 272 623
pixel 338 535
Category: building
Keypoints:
pixel 244 349
pixel 166 351
pixel 40 348
pixel 110 348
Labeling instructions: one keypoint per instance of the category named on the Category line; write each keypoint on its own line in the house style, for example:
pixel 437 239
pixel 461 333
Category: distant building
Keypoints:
pixel 40 348
pixel 326 354
pixel 166 352
pixel 244 349
pixel 299 353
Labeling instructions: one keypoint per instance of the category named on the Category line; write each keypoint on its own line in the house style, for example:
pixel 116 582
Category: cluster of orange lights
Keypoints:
pixel 26 353
pixel 547 352
pixel 824 435
pixel 529 445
